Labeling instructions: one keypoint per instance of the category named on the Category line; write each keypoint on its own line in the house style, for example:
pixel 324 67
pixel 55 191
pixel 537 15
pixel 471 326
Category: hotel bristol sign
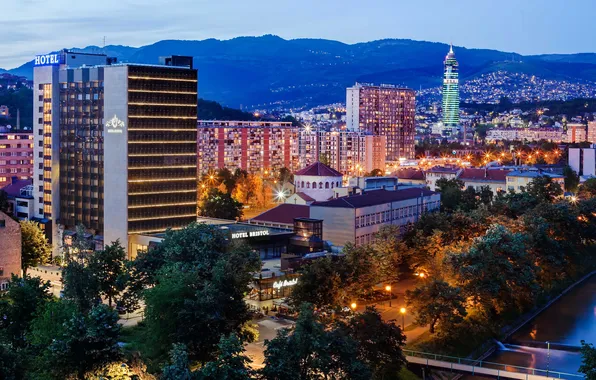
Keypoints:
pixel 245 235
pixel 49 59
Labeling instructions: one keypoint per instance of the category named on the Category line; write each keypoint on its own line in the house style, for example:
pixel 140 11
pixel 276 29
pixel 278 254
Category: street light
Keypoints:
pixel 547 357
pixel 388 288
pixel 353 305
pixel 403 318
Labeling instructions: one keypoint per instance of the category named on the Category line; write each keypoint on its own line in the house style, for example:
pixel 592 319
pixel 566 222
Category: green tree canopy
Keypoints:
pixel 35 249
pixel 437 303
pixel 109 268
pixel 18 306
pixel 497 272
pixel 231 362
pixel 451 193
pixel 588 367
pixel 544 189
pixel 220 205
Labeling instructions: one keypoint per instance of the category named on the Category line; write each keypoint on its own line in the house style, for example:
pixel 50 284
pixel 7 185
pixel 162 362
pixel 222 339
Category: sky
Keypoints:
pixel 30 27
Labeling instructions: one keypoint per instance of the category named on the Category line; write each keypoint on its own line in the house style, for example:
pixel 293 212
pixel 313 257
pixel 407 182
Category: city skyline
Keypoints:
pixel 33 28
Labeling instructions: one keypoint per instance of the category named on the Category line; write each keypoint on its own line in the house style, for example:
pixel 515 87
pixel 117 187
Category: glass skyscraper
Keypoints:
pixel 450 94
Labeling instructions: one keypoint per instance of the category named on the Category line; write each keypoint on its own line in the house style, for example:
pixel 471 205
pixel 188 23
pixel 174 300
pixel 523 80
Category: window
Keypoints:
pixel 2 223
pixel 326 185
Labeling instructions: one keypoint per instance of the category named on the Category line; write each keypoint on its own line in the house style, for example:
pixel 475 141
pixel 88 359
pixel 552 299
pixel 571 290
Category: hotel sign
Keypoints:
pixel 244 235
pixel 115 125
pixel 49 60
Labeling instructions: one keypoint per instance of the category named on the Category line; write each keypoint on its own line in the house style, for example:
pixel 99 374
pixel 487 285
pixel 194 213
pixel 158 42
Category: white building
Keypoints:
pixel 583 161
pixel 356 219
pixel 317 181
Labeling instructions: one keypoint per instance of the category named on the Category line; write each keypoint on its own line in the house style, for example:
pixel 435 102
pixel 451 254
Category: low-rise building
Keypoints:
pixel 356 219
pixel 410 176
pixel 317 181
pixel 495 179
pixel 437 173
pixel 20 198
pixel 518 180
pixel 10 249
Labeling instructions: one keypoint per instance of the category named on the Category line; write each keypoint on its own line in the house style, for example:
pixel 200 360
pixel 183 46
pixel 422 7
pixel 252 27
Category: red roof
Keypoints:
pixel 305 197
pixel 492 175
pixel 319 169
pixel 284 214
pixel 14 189
pixel 409 174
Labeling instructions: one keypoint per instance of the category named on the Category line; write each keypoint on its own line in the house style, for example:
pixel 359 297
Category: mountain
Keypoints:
pixel 261 72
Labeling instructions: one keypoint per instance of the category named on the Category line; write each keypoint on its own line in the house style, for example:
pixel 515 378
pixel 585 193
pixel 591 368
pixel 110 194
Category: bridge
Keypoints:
pixel 482 368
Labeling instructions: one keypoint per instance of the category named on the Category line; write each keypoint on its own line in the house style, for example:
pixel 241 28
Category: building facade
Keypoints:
pixel 591 134
pixel 518 180
pixel 356 219
pixel 317 181
pixel 16 156
pixel 10 249
pixel 450 94
pixel 384 111
pixel 254 146
pixel 583 161
pixel 115 146
pixel 352 153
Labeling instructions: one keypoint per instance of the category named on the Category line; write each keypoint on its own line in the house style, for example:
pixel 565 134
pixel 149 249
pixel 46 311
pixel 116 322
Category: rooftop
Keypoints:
pixel 409 174
pixel 491 175
pixel 13 189
pixel 285 213
pixel 305 197
pixel 319 169
pixel 533 174
pixel 375 197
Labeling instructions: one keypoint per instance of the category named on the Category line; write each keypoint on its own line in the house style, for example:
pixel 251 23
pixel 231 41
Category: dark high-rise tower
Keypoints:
pixel 450 94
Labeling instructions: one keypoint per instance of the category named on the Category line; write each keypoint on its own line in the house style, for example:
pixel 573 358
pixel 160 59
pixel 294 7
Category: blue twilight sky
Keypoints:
pixel 29 27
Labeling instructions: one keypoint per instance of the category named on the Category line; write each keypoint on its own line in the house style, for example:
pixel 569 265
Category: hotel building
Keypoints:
pixel 254 146
pixel 16 156
pixel 384 111
pixel 115 146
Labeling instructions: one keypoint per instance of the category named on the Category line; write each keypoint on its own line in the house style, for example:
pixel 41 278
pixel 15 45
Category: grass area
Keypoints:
pixel 406 374
pixel 135 338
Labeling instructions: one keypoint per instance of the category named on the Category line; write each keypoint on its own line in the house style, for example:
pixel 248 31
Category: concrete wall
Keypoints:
pixel 10 247
pixel 575 159
pixel 116 156
pixel 589 162
pixel 338 224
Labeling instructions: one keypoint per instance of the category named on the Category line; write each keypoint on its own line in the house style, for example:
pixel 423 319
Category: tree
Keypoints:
pixel 198 291
pixel 588 189
pixel 571 179
pixel 497 272
pixel 109 268
pixel 544 189
pixel 3 201
pixel 221 205
pixel 226 177
pixel 35 249
pixel 320 284
pixel 375 173
pixel 231 362
pixel 18 306
pixel 80 285
pixel 437 303
pixel 88 342
pixel 588 367
pixel 311 351
pixel 391 252
pixel 178 369
pixel 451 192
pixel 380 343
pixel 285 175
pixel 11 365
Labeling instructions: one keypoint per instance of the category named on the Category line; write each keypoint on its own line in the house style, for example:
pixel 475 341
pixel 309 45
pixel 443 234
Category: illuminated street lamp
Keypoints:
pixel 353 305
pixel 388 289
pixel 403 318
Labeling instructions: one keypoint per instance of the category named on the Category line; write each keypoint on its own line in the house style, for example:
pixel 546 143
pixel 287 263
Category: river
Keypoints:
pixel 564 324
